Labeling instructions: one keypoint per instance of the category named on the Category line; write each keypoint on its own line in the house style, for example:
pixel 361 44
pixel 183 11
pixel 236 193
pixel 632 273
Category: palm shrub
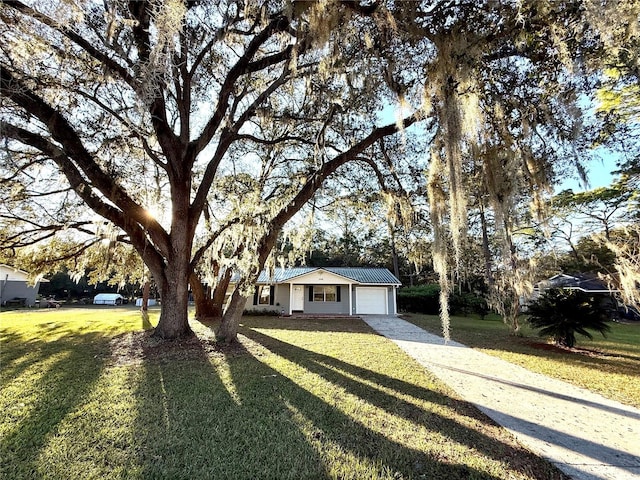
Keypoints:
pixel 561 314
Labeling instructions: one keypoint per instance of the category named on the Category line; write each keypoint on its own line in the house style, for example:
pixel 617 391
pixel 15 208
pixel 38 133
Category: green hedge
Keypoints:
pixel 421 299
pixel 426 299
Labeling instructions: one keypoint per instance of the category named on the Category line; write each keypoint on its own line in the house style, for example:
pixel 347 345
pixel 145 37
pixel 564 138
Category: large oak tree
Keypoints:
pixel 233 114
pixel 131 102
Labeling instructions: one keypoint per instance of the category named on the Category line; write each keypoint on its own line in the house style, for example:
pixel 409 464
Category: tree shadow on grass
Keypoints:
pixel 584 358
pixel 407 462
pixel 42 383
pixel 337 436
pixel 14 356
pixel 193 422
pixel 535 346
pixel 226 414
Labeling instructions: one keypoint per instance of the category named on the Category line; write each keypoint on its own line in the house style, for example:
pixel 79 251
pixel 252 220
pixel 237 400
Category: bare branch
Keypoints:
pixel 241 67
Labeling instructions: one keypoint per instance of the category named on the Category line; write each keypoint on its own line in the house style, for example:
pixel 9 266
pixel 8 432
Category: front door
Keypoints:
pixel 297 299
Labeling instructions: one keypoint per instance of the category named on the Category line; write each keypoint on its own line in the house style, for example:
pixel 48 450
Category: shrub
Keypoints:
pixel 467 303
pixel 561 314
pixel 426 299
pixel 420 299
pixel 261 313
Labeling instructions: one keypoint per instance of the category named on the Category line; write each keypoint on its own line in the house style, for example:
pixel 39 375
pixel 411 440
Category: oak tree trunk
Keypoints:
pixel 228 330
pixel 205 307
pixel 220 291
pixel 210 306
pixel 174 315
pixel 176 272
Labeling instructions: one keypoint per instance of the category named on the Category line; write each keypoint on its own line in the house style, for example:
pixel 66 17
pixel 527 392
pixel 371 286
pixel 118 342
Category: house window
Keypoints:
pixel 324 293
pixel 263 295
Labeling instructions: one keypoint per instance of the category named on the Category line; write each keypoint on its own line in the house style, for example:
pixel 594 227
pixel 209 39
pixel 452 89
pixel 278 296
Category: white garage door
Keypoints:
pixel 371 300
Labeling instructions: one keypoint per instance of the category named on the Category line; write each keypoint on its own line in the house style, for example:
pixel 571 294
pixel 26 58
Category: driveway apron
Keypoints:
pixel 584 434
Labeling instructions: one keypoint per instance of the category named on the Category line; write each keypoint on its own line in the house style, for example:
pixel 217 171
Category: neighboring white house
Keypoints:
pixel 326 290
pixel 15 288
pixel 108 299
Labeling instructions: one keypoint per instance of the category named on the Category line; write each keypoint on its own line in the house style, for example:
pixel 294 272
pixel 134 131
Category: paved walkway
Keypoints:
pixel 584 434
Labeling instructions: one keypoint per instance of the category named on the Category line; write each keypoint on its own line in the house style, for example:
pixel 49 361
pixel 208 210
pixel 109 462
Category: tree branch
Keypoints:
pixel 128 222
pixel 274 141
pixel 167 139
pixel 73 147
pixel 317 179
pixel 241 67
pixel 87 46
pixel 197 256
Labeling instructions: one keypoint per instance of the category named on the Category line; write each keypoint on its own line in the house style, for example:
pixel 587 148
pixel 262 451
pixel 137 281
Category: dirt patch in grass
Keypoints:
pixel 134 348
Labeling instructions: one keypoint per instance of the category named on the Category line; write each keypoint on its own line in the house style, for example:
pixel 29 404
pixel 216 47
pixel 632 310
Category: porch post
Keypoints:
pixel 395 301
pixel 290 299
pixel 350 301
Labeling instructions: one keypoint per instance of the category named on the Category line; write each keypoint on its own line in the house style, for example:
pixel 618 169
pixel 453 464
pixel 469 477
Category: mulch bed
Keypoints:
pixel 550 347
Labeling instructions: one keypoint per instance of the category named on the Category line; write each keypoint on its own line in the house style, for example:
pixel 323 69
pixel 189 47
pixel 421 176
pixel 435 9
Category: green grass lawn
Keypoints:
pixel 609 366
pixel 86 393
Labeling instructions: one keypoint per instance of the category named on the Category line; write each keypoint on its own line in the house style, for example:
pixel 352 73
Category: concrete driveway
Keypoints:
pixel 584 434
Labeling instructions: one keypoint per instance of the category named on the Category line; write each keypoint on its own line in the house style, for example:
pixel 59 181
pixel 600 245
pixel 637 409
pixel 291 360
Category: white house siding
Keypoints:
pixel 14 284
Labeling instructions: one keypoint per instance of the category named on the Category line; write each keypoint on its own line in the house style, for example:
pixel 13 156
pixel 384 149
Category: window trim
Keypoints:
pixel 258 296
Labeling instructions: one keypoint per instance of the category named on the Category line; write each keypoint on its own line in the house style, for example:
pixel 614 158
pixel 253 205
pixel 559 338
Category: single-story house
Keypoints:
pixel 577 281
pixel 108 299
pixel 15 288
pixel 588 283
pixel 583 282
pixel 326 290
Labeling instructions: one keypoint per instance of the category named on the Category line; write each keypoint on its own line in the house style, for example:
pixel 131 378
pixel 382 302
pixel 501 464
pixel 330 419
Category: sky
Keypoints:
pixel 598 174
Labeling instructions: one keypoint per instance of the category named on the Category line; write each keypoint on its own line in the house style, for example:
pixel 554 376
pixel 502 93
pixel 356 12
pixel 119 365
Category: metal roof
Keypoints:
pixel 584 282
pixel 365 275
